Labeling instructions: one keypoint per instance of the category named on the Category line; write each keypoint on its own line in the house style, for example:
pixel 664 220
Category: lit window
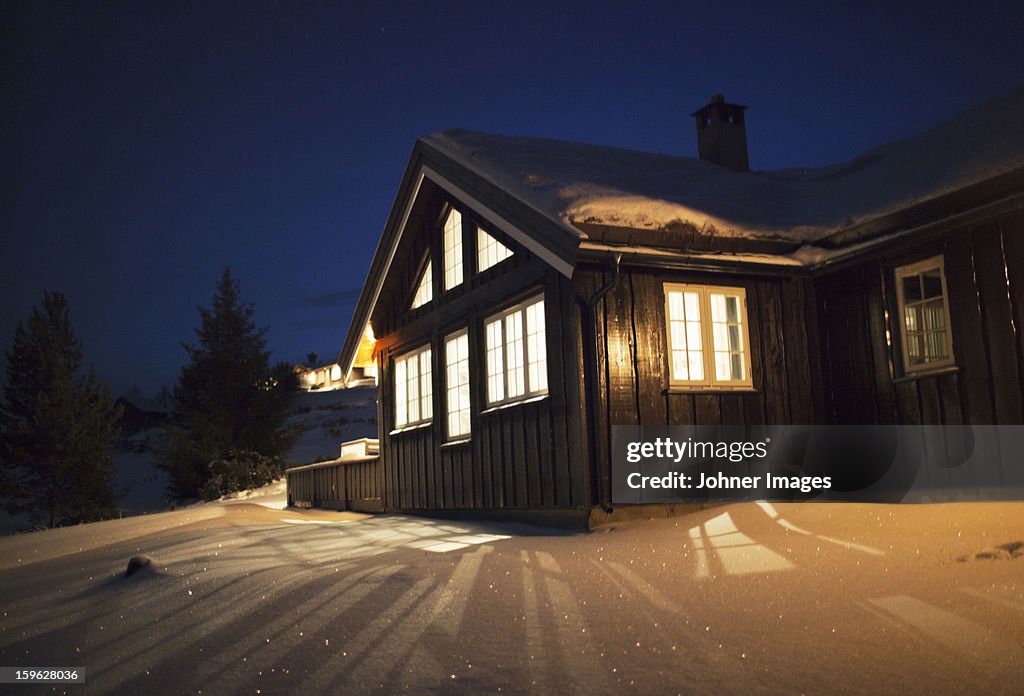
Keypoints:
pixel 707 336
pixel 456 358
pixel 489 251
pixel 517 364
pixel 425 289
pixel 413 391
pixel 452 249
pixel 921 291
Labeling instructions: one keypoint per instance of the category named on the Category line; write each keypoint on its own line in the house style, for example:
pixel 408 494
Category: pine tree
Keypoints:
pixel 56 425
pixel 229 406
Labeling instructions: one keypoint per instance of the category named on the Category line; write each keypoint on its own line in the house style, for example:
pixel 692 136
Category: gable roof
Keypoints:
pixel 578 184
pixel 542 192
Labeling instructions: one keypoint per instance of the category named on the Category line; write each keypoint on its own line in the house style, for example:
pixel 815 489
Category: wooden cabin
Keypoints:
pixel 526 295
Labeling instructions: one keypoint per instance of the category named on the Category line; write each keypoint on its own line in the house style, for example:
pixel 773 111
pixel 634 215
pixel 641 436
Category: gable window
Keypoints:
pixel 425 289
pixel 924 311
pixel 452 249
pixel 707 336
pixel 456 360
pixel 413 391
pixel 489 251
pixel 517 364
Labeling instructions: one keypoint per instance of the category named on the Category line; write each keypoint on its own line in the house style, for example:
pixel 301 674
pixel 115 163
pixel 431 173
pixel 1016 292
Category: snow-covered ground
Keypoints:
pixel 327 419
pixel 746 598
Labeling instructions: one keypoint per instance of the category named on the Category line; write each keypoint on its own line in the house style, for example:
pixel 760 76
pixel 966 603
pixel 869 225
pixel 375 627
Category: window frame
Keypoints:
pixel 709 382
pixel 530 391
pixel 916 269
pixel 481 232
pixel 425 266
pixel 462 333
pixel 422 398
pixel 457 251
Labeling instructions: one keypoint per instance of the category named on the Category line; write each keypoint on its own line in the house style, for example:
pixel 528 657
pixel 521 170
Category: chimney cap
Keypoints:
pixel 717 100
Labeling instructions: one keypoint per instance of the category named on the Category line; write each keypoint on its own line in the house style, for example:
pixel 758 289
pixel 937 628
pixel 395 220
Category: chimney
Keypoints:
pixel 722 135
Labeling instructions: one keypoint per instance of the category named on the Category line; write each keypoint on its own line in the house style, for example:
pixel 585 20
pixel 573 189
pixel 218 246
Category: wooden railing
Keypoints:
pixel 340 484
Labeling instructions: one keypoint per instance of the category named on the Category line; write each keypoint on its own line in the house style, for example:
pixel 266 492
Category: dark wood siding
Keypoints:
pixel 859 332
pixel 526 455
pixel 632 350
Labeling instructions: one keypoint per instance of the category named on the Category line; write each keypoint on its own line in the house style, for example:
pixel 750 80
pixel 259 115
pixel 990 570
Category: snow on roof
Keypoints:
pixel 577 183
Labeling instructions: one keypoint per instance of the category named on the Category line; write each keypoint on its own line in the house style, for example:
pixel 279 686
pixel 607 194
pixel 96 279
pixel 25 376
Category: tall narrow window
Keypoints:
pixel 707 336
pixel 517 364
pixel 456 358
pixel 425 289
pixel 413 388
pixel 452 249
pixel 924 328
pixel 489 251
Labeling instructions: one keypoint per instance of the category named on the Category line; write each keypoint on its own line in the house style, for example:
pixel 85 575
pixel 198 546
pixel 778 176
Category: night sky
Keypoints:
pixel 147 145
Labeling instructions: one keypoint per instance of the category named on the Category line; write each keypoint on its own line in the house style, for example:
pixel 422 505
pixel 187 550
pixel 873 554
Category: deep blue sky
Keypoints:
pixel 147 145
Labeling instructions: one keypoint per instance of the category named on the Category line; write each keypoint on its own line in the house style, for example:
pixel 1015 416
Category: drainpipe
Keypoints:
pixel 594 387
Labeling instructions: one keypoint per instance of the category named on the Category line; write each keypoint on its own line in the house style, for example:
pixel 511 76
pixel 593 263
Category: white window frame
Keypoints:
pixel 917 269
pixel 452 249
pixel 456 387
pixel 489 251
pixel 707 341
pixel 500 353
pixel 424 399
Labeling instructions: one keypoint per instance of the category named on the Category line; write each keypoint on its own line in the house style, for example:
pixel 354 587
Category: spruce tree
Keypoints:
pixel 56 424
pixel 229 405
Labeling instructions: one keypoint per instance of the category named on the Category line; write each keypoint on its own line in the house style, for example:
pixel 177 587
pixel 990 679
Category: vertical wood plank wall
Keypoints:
pixel 632 350
pixel 864 380
pixel 525 456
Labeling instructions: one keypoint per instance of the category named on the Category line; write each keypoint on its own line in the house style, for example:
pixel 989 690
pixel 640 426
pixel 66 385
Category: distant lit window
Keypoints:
pixel 707 336
pixel 456 360
pixel 452 249
pixel 489 251
pixel 413 391
pixel 517 363
pixel 924 329
pixel 425 289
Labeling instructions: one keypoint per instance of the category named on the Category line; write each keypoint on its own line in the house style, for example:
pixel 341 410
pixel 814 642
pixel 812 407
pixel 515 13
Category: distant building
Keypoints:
pixel 528 294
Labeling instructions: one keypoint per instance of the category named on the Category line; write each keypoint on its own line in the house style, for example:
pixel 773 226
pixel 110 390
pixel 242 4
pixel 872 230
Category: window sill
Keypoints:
pixel 456 443
pixel 513 404
pixel 709 390
pixel 923 374
pixel 410 428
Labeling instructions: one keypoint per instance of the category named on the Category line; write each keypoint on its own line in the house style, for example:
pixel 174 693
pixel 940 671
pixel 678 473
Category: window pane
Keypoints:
pixel 717 307
pixel 457 385
pixel 426 387
pixel 692 301
pixel 514 355
pixel 693 341
pixel 934 315
pixel 489 250
pixel 912 288
pixel 679 365
pixel 696 361
pixel 721 332
pixel 495 362
pixel 452 249
pixel 675 305
pixel 678 332
pixel 401 414
pixel 732 309
pixel 536 348
pixel 722 367
pixel 932 282
pixel 425 290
